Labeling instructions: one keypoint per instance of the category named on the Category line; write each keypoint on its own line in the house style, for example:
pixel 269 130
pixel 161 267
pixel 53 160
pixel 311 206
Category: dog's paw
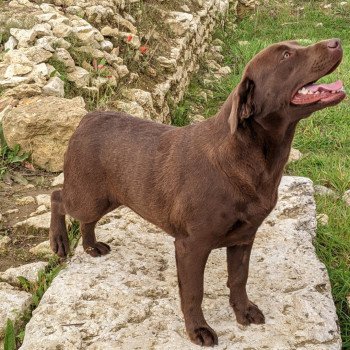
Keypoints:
pixel 204 336
pixel 98 249
pixel 59 244
pixel 251 314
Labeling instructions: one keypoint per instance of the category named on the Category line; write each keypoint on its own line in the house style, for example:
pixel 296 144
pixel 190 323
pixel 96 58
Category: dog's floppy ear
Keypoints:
pixel 242 103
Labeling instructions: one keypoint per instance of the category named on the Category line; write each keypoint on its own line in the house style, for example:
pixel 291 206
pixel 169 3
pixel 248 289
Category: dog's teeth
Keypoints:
pixel 303 91
pixel 333 92
pixel 317 92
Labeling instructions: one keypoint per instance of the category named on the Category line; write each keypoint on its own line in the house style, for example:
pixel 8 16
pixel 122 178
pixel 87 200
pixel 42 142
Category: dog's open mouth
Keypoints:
pixel 314 93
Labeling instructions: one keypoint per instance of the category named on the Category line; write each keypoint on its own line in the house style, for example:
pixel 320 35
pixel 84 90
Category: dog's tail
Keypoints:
pixel 58 231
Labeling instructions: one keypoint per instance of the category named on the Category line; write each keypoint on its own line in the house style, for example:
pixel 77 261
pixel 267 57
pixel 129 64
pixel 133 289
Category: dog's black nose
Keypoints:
pixel 334 44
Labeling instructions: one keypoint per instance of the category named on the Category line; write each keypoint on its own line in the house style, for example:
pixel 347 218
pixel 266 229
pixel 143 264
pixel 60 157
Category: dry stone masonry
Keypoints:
pixel 129 298
pixel 128 55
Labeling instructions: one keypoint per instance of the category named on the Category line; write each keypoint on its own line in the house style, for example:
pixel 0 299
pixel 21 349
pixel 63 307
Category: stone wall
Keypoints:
pixel 133 56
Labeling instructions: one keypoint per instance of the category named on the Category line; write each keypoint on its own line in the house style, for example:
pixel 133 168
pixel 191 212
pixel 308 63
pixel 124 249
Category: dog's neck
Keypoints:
pixel 252 141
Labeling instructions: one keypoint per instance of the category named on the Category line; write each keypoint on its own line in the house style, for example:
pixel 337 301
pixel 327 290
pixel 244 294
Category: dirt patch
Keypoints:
pixel 17 251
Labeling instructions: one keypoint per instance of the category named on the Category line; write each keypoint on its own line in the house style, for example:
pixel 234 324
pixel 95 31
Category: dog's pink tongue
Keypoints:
pixel 325 87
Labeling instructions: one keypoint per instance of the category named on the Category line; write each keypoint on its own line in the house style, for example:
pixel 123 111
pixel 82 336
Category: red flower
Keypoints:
pixel 129 38
pixel 143 49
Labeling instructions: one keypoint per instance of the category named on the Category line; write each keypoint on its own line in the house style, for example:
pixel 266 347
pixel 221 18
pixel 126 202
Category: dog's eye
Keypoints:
pixel 286 55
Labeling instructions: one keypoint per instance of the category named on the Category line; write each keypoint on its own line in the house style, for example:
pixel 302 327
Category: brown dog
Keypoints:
pixel 208 185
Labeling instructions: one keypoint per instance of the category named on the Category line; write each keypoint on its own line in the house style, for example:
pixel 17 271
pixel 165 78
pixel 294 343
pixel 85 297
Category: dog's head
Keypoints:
pixel 278 84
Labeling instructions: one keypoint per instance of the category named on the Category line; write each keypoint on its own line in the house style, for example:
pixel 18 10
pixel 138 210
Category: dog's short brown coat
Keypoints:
pixel 208 185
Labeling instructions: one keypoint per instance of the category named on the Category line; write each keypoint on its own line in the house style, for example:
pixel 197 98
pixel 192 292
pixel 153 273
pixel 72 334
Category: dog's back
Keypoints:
pixel 107 150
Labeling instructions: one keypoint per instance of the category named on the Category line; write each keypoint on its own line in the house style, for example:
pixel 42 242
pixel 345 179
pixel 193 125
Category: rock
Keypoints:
pixel 25 200
pixel 37 54
pixel 185 8
pixel 58 180
pixel 129 298
pixel 113 59
pixel 28 271
pixel 217 48
pixel 13 303
pixel 43 127
pixel 62 30
pixel 197 118
pixel 111 32
pixel 39 224
pixel 54 87
pixel 346 197
pixel 179 22
pixel 167 62
pixel 106 45
pixel 16 56
pixel 143 98
pixel 125 24
pixel 132 108
pixel 134 77
pixel 17 69
pixel 11 211
pixel 24 36
pixel 217 42
pixel 213 65
pixel 79 76
pixel 122 71
pixel 42 29
pixel 63 56
pixel 42 250
pixel 8 83
pixel 325 191
pixel 23 91
pixel 43 199
pixel 6 104
pixel 49 42
pixel 40 73
pixel 322 219
pixel 223 71
pixel 11 43
pixel 87 34
pixel 41 209
pixel 4 241
pixel 294 155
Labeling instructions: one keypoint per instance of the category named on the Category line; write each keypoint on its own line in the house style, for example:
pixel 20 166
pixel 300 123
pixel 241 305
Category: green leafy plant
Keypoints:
pixel 9 156
pixel 10 337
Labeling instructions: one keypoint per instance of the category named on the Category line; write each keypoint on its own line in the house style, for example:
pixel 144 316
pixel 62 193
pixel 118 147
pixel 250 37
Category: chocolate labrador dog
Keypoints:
pixel 208 185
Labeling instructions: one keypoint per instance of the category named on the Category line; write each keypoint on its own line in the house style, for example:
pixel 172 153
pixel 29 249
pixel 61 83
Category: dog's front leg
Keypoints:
pixel 238 266
pixel 190 262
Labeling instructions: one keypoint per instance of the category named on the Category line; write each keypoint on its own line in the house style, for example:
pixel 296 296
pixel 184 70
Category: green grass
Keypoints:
pixel 324 138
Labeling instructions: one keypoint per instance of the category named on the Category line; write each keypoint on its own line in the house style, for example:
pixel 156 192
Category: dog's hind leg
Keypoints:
pixel 58 232
pixel 90 245
pixel 238 265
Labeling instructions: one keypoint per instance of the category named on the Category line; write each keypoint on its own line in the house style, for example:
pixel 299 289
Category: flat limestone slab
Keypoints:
pixel 13 303
pixel 129 299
